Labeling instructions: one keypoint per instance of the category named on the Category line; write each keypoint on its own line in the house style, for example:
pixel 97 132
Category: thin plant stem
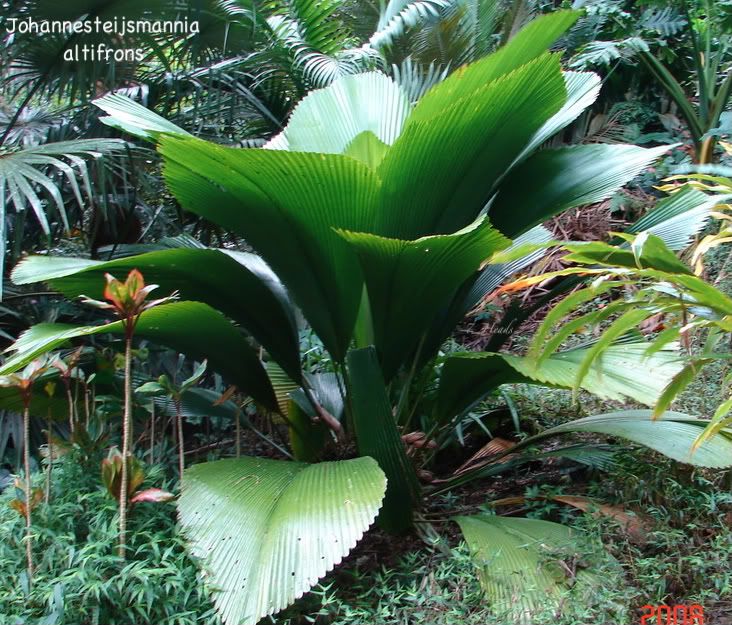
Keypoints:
pixel 76 401
pixel 70 401
pixel 238 434
pixel 28 487
pixel 179 426
pixel 126 427
pixel 47 496
pixel 403 399
pixel 152 433
pixel 86 405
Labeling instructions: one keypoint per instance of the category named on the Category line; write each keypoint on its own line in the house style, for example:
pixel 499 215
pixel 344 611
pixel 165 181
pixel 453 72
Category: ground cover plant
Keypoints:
pixel 296 391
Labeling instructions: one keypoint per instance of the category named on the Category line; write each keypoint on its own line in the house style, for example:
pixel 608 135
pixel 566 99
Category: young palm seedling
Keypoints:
pixel 166 387
pixel 68 369
pixel 128 300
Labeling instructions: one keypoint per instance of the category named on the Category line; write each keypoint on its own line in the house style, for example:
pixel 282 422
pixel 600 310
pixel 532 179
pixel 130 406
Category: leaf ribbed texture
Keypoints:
pixel 494 275
pixel 408 282
pixel 624 371
pixel 286 205
pixel 127 115
pixel 400 15
pixel 677 219
pixel 554 180
pixel 440 172
pixel 268 530
pixel 201 403
pixel 281 384
pixel 529 43
pixel 582 90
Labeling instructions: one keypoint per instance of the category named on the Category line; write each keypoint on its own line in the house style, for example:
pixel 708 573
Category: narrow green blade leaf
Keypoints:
pixel 717 424
pixel 646 252
pixel 677 385
pixel 615 331
pixel 562 310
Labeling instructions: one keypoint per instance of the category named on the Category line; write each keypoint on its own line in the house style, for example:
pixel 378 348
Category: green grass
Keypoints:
pixel 79 580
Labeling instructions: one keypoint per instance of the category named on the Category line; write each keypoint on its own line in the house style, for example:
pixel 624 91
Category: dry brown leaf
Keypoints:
pixel 634 525
pixel 484 455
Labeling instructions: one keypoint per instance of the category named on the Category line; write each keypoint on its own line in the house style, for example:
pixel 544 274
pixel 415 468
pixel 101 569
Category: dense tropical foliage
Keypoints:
pixel 327 199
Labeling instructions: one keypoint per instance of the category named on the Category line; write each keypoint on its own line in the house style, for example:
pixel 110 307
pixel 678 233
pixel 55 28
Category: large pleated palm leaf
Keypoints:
pixel 268 530
pixel 378 218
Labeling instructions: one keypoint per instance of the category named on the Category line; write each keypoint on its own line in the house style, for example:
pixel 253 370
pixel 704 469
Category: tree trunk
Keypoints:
pixel 126 437
pixel 28 491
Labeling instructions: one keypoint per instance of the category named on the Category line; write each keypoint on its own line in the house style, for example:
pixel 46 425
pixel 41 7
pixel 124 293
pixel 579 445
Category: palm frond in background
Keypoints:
pixel 34 178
